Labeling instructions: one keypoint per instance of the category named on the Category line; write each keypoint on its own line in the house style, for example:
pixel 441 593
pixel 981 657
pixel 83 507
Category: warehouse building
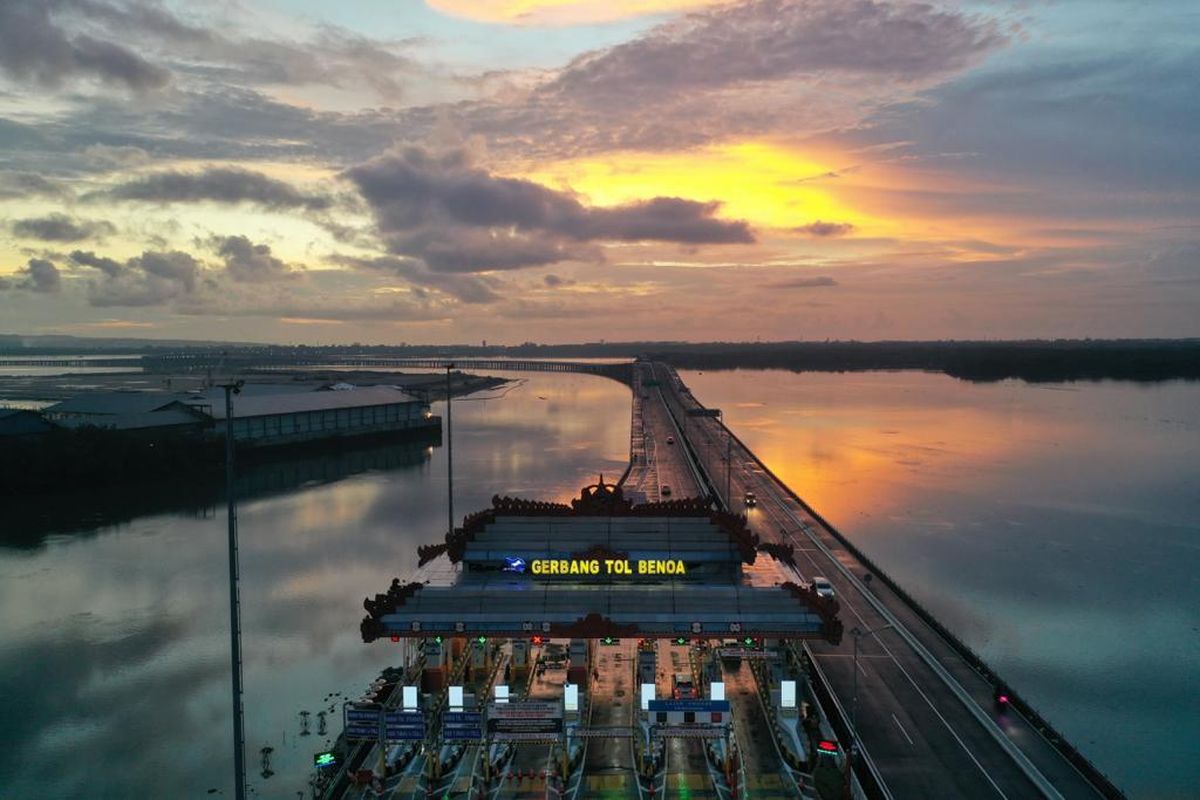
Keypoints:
pixel 263 414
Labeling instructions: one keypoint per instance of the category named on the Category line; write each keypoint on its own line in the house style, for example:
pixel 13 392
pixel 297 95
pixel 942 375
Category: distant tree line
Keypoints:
pixel 1030 360
pixel 1035 362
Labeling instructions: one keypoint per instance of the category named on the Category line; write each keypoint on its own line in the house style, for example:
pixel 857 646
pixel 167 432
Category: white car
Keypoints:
pixel 823 586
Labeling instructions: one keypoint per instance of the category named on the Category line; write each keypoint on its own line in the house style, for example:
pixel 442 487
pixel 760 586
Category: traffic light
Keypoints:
pixel 481 639
pixel 437 640
pixel 536 640
pixel 609 640
pixel 680 640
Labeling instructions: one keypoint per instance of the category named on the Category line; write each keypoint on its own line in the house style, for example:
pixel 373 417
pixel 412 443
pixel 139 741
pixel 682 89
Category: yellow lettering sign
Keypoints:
pixel 610 566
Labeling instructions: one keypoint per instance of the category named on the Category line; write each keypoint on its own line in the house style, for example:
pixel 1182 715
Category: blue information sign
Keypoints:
pixel 361 723
pixel 462 725
pixel 358 730
pixel 404 725
pixel 689 705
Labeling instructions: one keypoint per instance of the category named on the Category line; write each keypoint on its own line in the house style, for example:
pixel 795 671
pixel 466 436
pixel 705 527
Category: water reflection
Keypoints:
pixel 1054 528
pixel 114 615
pixel 202 494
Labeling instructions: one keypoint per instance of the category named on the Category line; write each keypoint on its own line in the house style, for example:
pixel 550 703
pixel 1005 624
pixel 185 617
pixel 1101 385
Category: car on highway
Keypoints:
pixel 664 490
pixel 670 440
pixel 750 500
pixel 823 587
pixel 683 688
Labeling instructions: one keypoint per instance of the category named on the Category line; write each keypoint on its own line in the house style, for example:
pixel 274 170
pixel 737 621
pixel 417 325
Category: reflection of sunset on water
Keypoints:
pixel 1010 511
pixel 867 449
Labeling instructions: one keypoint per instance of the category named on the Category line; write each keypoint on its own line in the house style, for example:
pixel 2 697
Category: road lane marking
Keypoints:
pixel 901 727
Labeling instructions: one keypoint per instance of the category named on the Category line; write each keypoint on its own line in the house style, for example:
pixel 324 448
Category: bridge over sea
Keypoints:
pixel 198 362
pixel 927 724
pixel 915 701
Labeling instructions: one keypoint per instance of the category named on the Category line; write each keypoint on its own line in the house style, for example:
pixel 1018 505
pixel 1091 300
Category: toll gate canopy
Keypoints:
pixel 603 566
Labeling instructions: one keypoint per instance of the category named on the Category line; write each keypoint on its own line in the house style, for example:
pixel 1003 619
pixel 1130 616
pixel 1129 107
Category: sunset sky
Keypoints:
pixel 424 171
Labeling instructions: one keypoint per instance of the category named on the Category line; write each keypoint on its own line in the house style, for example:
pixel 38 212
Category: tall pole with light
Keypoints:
pixel 857 633
pixel 235 622
pixel 449 457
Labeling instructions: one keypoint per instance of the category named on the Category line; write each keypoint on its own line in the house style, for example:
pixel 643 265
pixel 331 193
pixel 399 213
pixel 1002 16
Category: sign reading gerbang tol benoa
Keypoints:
pixel 575 567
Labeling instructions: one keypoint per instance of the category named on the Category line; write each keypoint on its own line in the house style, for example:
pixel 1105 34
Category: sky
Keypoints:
pixel 433 171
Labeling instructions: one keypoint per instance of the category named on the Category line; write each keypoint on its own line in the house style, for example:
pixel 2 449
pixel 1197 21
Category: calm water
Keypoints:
pixel 1053 527
pixel 29 370
pixel 114 634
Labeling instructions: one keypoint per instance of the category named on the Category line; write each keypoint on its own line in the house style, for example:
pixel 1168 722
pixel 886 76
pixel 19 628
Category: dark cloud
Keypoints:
pixel 112 40
pixel 555 281
pixel 825 229
pixel 38 275
pixel 61 228
pixel 218 185
pixel 459 218
pixel 772 40
pixel 1113 129
pixel 153 278
pixel 89 259
pixel 28 184
pixel 247 262
pixel 804 283
pixel 34 46
pixel 464 287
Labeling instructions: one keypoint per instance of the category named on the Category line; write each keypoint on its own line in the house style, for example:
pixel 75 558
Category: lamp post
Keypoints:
pixel 857 633
pixel 449 457
pixel 235 624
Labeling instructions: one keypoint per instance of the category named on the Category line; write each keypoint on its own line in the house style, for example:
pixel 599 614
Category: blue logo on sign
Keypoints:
pixel 513 564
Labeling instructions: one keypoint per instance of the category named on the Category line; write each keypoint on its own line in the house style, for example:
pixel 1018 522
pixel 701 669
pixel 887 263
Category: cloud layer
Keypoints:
pixel 460 218
pixel 220 185
pixel 59 227
pixel 35 46
pixel 38 275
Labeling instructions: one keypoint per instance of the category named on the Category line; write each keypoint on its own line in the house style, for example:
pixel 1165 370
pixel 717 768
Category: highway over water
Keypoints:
pixel 925 716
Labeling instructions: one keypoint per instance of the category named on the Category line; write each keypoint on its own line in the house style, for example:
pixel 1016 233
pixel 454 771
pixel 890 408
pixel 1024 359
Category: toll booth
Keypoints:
pixel 520 657
pixel 481 655
pixel 435 673
pixel 577 672
pixel 647 661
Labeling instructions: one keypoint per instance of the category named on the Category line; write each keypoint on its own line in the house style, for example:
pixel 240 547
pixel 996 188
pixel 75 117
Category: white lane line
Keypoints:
pixel 1019 757
pixel 900 666
pixel 901 727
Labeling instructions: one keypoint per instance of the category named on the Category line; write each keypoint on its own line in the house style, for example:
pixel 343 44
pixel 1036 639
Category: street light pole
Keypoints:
pixel 449 457
pixel 857 633
pixel 235 624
